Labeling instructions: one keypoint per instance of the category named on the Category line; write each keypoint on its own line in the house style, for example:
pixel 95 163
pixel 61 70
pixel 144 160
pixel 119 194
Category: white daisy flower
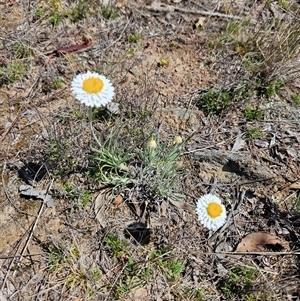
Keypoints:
pixel 92 89
pixel 211 212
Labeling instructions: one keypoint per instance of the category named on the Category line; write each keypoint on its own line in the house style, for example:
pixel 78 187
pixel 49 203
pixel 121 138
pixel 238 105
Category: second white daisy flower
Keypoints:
pixel 211 212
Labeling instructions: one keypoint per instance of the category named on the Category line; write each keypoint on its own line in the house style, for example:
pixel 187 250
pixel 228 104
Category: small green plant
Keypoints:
pixel 79 11
pixel 55 84
pixel 108 163
pixel 252 61
pixel 63 265
pixel 256 113
pixel 21 50
pixel 55 14
pixel 254 133
pixel 295 99
pixel 122 288
pixel 214 101
pixel 85 198
pixel 171 268
pixel 96 274
pixel 196 295
pixel 71 192
pixel 109 13
pixel 56 258
pixel 55 18
pixel 135 275
pixel 233 28
pixel 12 73
pixel 77 278
pixel 119 248
pixel 131 51
pixel 159 170
pixel 59 156
pixel 40 12
pixel 270 89
pixel 134 37
pixel 240 283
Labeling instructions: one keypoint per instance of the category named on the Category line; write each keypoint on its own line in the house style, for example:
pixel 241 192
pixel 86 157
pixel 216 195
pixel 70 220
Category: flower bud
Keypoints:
pixel 151 143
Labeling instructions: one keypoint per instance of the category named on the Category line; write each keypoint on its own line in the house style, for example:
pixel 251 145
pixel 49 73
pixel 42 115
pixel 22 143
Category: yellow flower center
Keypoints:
pixel 93 85
pixel 214 209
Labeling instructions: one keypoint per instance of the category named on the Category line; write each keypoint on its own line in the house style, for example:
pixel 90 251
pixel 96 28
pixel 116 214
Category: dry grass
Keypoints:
pixel 221 85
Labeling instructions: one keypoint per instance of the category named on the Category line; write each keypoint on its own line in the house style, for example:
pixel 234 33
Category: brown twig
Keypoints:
pixel 62 50
pixel 158 6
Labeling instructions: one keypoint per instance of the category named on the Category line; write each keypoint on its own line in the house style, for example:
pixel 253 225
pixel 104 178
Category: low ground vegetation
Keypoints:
pixel 206 101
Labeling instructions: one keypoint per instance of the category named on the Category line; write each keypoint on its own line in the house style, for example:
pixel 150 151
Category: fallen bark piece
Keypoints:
pixel 256 242
pixel 29 191
pixel 162 7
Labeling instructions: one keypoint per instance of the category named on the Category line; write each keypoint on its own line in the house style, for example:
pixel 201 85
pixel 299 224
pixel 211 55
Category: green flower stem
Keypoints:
pixel 91 126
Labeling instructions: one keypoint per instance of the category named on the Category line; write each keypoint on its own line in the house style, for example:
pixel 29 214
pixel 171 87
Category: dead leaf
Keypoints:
pixel 295 185
pixel 256 242
pixel 239 142
pixel 102 201
pixel 118 200
pixel 121 4
pixel 181 205
pixel 139 294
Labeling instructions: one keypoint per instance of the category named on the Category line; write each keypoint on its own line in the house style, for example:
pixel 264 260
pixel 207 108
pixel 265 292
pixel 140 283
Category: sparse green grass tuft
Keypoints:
pixel 108 163
pixel 79 11
pixel 137 273
pixel 119 248
pixel 109 13
pixel 63 263
pixel 21 50
pixel 214 101
pixel 254 132
pixel 295 99
pixel 256 113
pixel 80 197
pixel 12 73
pixel 136 165
pixel 55 84
pixel 240 283
pixel 134 37
pixel 267 53
pixel 55 13
pixel 59 156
